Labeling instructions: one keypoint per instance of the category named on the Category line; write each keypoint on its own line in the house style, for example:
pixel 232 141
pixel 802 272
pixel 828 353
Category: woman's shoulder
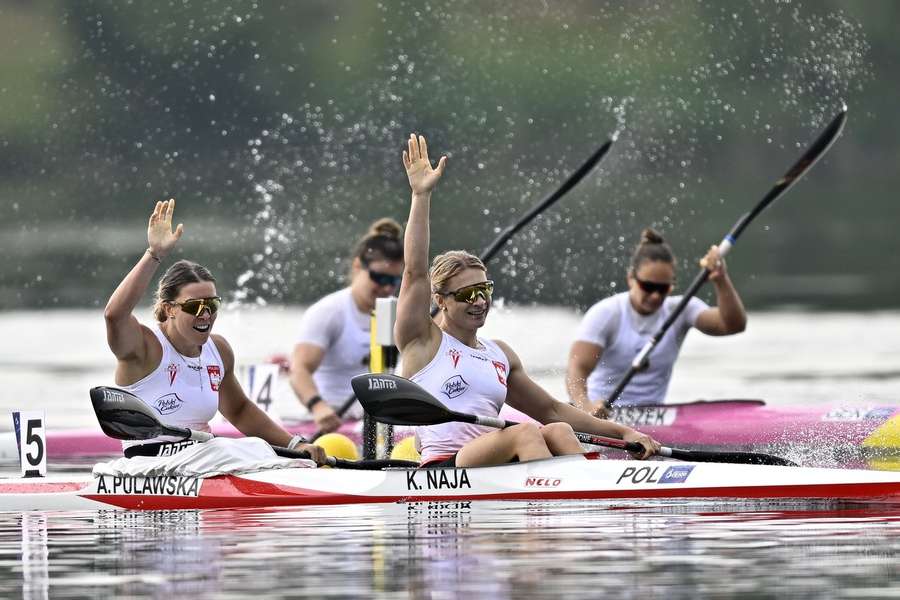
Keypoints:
pixel 329 303
pixel 606 305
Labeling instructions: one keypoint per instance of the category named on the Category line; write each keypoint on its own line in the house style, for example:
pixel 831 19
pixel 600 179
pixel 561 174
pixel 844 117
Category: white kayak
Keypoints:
pixel 577 477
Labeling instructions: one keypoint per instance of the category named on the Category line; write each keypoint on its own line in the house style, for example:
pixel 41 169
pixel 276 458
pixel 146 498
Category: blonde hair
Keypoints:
pixel 176 277
pixel 383 241
pixel 446 265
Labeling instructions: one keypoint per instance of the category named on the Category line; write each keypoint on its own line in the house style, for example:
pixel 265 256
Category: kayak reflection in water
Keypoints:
pixel 179 368
pixel 615 329
pixel 469 373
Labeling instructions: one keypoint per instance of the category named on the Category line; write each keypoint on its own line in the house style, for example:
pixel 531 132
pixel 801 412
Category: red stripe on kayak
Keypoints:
pixel 234 492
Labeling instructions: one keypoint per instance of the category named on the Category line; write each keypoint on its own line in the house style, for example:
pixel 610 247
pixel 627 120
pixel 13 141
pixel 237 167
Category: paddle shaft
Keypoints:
pixel 202 436
pixel 398 401
pixel 815 151
pixel 634 447
pixel 571 181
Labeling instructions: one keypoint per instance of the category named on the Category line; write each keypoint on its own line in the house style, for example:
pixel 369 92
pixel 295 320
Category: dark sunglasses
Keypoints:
pixel 470 293
pixel 196 306
pixel 650 287
pixel 383 279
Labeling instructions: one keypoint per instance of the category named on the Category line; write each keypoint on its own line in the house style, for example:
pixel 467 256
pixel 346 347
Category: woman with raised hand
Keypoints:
pixel 469 373
pixel 615 329
pixel 333 345
pixel 179 367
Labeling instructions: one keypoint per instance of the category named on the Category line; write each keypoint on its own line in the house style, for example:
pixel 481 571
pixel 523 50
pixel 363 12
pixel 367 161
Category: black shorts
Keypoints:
pixel 440 463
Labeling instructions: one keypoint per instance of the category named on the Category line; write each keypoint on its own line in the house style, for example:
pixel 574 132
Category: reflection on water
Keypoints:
pixel 459 550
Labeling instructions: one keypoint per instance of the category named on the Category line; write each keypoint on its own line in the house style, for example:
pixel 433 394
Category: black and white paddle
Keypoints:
pixel 815 151
pixel 124 416
pixel 398 401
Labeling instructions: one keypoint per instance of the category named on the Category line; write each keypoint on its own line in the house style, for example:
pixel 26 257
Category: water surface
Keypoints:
pixel 458 550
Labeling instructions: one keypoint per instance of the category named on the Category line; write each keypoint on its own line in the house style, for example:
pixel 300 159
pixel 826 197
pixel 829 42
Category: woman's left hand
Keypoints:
pixel 650 445
pixel 714 263
pixel 160 235
pixel 422 176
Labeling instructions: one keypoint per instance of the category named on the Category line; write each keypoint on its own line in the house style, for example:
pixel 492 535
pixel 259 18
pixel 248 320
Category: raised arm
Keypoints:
pixel 728 316
pixel 124 333
pixel 414 326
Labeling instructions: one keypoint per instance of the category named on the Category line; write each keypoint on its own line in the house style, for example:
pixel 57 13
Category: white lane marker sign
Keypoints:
pixel 31 440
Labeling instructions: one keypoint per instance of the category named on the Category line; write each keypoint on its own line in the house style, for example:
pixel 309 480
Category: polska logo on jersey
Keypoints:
pixel 379 383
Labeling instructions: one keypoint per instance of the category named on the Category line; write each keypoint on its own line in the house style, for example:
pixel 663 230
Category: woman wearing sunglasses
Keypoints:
pixel 179 367
pixel 469 373
pixel 333 345
pixel 616 328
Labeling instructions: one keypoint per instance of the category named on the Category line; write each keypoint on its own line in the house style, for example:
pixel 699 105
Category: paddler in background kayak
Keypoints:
pixel 334 341
pixel 615 329
pixel 469 373
pixel 180 368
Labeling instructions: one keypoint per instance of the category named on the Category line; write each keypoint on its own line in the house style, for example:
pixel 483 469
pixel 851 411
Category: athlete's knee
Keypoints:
pixel 557 431
pixel 526 432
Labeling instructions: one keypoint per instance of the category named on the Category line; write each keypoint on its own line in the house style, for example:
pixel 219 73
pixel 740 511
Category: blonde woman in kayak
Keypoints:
pixel 614 330
pixel 179 367
pixel 333 344
pixel 467 372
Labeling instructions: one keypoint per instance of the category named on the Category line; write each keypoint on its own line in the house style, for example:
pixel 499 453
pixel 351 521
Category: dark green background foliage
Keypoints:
pixel 279 127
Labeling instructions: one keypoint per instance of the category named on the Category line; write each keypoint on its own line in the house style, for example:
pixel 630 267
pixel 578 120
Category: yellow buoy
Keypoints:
pixel 886 437
pixel 338 446
pixel 405 449
pixel 883 445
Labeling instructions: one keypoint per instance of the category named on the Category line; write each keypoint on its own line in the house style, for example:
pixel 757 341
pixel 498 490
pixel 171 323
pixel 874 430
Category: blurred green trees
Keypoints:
pixel 278 126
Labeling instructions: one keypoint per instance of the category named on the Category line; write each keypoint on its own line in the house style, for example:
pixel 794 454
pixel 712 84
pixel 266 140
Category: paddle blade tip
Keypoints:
pixel 122 415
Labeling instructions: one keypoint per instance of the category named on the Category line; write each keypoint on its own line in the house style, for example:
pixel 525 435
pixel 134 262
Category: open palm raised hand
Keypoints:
pixel 160 235
pixel 422 177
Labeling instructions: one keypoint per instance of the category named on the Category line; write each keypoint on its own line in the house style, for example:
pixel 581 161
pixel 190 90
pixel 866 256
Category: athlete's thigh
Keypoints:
pixel 492 448
pixel 501 446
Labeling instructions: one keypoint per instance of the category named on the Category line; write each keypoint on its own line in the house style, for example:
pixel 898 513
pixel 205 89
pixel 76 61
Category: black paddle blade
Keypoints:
pixel 742 458
pixel 397 401
pixel 123 416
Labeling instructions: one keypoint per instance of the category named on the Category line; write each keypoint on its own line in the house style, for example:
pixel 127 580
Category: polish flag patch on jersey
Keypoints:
pixel 501 371
pixel 215 377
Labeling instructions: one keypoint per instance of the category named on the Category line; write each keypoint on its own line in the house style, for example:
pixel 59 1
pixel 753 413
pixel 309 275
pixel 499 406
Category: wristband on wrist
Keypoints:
pixel 296 441
pixel 313 401
pixel 153 256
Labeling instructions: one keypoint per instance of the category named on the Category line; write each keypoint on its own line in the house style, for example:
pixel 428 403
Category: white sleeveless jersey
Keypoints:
pixel 621 332
pixel 183 391
pixel 467 380
pixel 336 325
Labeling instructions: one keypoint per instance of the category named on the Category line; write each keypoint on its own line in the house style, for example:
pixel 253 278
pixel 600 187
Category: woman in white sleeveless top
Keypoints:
pixel 469 373
pixel 615 329
pixel 179 368
pixel 334 341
